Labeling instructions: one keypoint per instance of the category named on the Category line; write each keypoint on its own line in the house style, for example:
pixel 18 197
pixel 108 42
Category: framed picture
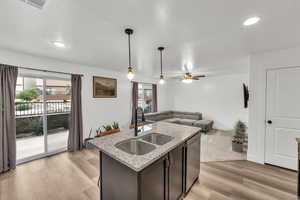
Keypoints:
pixel 104 87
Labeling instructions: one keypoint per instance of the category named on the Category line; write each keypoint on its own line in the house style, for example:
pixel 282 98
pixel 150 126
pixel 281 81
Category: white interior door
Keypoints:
pixel 282 117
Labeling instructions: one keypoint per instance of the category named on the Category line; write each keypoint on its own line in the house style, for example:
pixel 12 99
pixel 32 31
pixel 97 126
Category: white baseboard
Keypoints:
pixel 254 159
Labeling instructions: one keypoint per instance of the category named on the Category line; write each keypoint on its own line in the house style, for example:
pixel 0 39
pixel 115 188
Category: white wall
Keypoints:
pixel 96 112
pixel 219 98
pixel 259 63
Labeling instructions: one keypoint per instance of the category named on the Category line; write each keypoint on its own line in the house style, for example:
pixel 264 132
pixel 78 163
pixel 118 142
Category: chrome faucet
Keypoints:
pixel 138 110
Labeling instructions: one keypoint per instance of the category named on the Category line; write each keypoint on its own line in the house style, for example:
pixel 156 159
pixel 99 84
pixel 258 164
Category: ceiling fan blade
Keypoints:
pixel 200 76
pixel 175 77
pixel 187 75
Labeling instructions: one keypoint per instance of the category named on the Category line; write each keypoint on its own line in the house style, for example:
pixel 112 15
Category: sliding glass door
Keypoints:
pixel 58 106
pixel 42 116
pixel 29 117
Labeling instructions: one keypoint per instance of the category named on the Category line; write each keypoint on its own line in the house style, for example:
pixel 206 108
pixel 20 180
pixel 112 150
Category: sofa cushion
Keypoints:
pixel 158 116
pixel 188 122
pixel 205 125
pixel 187 115
pixel 172 120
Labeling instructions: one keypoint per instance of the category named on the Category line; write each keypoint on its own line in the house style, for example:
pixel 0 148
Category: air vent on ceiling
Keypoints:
pixel 36 3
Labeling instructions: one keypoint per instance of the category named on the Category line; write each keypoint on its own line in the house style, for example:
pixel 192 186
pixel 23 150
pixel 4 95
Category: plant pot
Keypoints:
pixel 109 132
pixel 138 124
pixel 237 147
pixel 87 145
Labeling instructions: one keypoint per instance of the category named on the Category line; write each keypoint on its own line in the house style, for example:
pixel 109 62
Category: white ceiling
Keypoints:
pixel 206 35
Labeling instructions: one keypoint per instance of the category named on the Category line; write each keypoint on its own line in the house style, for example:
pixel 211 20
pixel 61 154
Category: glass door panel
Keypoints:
pixel 29 117
pixel 145 97
pixel 58 106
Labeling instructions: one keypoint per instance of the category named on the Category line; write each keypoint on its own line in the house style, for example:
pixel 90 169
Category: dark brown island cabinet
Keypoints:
pixel 169 178
pixel 298 159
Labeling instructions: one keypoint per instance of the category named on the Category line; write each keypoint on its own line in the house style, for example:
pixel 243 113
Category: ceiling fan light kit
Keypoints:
pixel 187 80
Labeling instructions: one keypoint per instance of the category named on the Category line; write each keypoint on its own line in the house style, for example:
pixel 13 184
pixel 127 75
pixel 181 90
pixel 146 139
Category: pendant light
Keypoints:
pixel 161 79
pixel 130 74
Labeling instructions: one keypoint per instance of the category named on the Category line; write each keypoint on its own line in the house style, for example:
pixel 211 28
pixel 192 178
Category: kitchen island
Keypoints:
pixel 298 171
pixel 162 163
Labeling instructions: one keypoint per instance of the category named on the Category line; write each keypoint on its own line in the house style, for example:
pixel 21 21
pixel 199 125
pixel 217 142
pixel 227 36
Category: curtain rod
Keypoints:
pixel 42 70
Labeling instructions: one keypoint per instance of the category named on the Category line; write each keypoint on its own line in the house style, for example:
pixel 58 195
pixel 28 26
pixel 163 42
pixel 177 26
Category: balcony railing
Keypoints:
pixel 37 108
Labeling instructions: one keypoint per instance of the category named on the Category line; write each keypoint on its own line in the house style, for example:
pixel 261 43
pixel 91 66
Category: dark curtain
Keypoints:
pixel 8 81
pixel 75 140
pixel 154 96
pixel 135 88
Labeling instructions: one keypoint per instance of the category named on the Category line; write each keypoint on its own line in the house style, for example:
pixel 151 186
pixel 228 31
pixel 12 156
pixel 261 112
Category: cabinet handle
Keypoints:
pixel 269 122
pixel 167 162
pixel 99 182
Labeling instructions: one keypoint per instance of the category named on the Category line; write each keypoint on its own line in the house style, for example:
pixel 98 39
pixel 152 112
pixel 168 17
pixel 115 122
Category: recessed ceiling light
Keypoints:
pixel 251 21
pixel 59 44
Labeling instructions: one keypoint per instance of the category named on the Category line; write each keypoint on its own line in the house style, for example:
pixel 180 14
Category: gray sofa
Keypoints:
pixel 178 117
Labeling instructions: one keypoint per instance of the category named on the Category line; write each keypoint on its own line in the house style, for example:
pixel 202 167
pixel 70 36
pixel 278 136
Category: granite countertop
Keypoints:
pixel 139 162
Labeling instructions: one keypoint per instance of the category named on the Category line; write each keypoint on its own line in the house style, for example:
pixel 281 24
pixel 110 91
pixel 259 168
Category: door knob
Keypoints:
pixel 269 122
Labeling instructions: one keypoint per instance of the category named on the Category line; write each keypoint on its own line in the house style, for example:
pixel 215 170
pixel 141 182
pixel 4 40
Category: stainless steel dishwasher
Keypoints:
pixel 192 153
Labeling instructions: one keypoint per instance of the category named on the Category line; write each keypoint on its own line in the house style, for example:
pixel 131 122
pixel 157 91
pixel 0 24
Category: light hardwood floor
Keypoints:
pixel 72 176
pixel 216 145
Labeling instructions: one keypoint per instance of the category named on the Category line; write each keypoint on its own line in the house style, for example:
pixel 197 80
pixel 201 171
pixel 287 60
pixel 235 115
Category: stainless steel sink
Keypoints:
pixel 135 147
pixel 157 138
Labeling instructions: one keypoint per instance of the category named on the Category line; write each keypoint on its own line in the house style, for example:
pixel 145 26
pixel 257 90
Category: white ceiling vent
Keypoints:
pixel 36 3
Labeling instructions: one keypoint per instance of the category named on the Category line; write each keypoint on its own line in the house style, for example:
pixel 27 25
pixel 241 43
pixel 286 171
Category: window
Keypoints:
pixel 145 99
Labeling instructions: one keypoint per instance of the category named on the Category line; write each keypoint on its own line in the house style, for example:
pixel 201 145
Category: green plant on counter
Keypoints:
pixel 98 132
pixel 108 128
pixel 115 125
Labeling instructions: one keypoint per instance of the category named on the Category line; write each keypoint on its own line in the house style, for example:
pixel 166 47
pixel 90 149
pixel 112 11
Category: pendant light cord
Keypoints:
pixel 161 62
pixel 129 51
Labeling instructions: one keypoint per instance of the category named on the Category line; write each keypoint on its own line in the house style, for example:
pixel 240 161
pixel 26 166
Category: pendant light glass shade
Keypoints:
pixel 130 74
pixel 161 80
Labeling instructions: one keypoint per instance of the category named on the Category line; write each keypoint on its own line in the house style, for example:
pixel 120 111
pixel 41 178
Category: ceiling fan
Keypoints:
pixel 189 77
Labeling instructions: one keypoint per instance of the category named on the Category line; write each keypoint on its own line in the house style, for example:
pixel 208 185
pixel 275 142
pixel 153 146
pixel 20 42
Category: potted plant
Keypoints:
pixel 86 141
pixel 98 132
pixel 239 136
pixel 115 126
pixel 110 129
